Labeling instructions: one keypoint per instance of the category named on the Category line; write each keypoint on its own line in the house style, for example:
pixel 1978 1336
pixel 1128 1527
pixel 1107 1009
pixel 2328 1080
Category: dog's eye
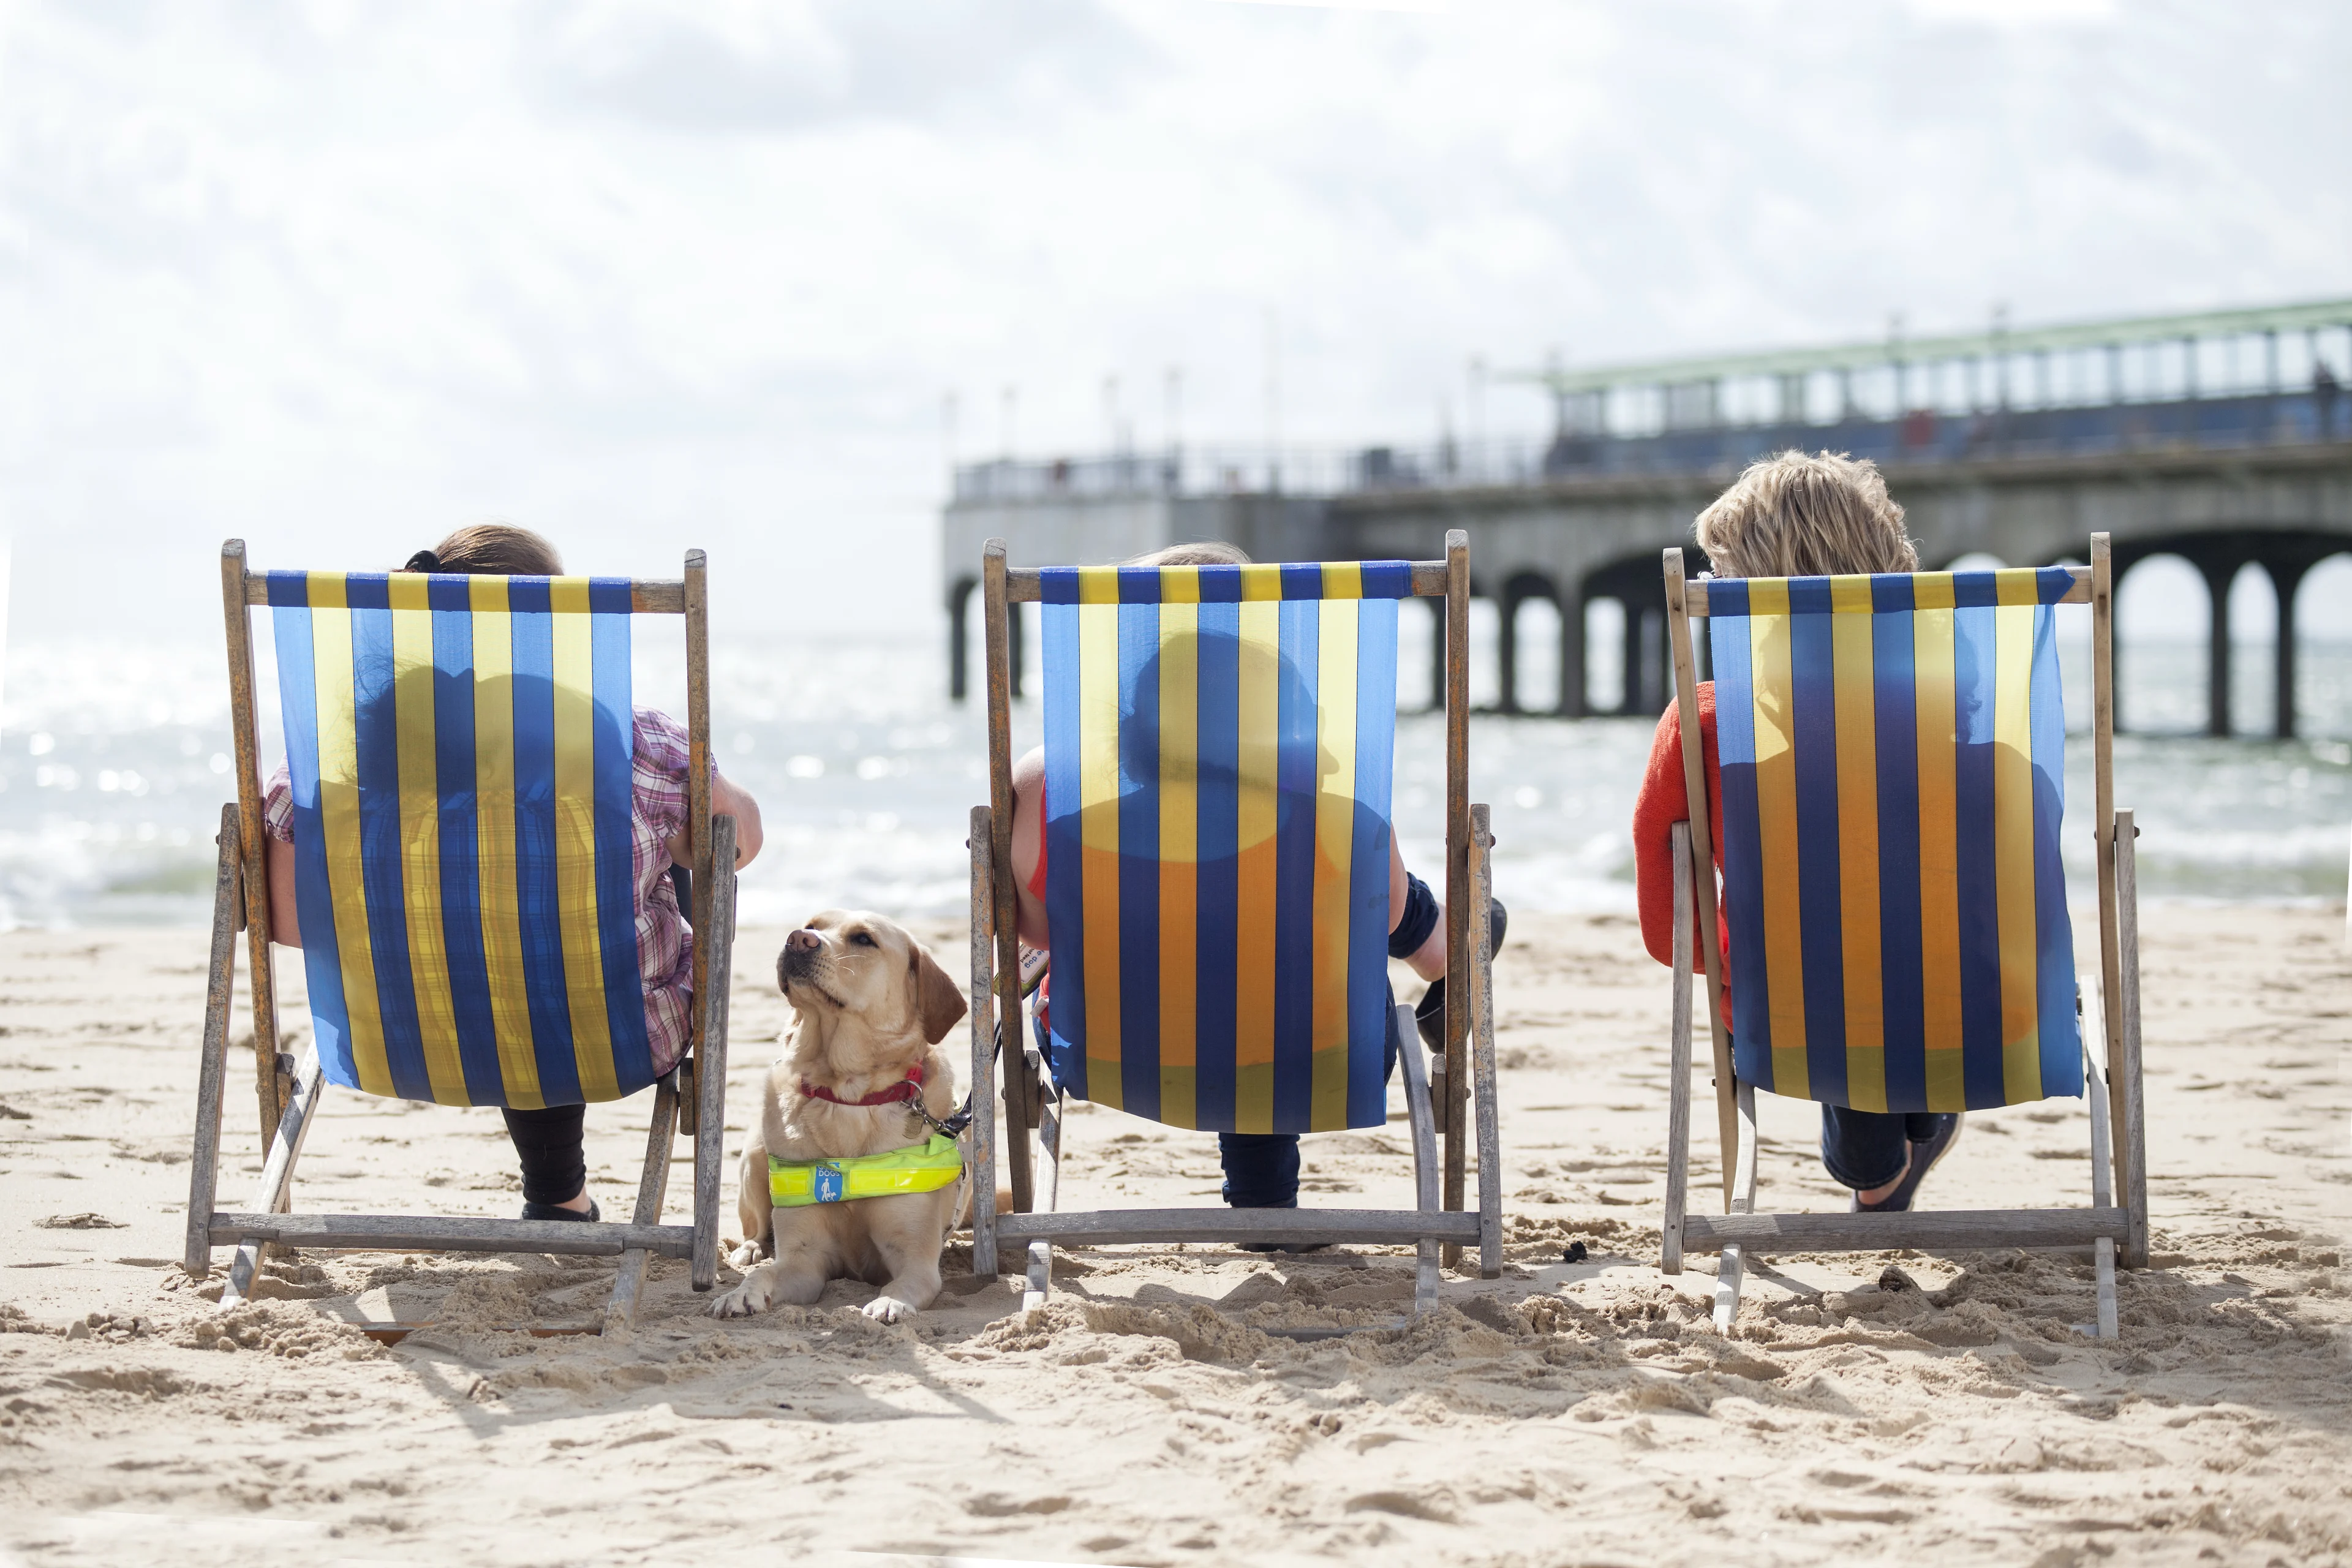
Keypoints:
pixel 861 939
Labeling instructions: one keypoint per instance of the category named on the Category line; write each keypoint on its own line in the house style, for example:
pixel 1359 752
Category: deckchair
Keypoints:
pixel 1219 746
pixel 1892 752
pixel 459 750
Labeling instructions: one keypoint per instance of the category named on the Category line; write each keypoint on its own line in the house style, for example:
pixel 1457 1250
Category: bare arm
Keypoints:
pixel 285 926
pixel 1029 844
pixel 726 800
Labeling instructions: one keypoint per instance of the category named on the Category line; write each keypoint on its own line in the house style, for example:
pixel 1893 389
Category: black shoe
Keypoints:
pixel 556 1211
pixel 1277 1246
pixel 1923 1155
pixel 1429 1013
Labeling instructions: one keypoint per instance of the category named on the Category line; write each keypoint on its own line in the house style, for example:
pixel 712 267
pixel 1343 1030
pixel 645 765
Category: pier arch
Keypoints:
pixel 2219 554
pixel 1519 589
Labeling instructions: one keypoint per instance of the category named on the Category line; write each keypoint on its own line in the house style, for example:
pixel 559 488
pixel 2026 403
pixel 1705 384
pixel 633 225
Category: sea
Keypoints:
pixel 115 763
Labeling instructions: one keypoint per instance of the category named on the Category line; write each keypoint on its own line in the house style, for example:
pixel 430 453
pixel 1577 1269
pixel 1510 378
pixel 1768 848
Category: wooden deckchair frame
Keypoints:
pixel 1439 1226
pixel 689 1099
pixel 2119 1164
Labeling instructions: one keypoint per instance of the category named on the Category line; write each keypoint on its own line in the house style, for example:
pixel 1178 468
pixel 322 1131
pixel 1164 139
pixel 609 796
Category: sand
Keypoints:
pixel 1565 1413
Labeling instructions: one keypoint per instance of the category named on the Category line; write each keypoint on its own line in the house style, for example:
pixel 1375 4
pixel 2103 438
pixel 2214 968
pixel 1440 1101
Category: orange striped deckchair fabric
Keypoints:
pixel 1893 752
pixel 1219 747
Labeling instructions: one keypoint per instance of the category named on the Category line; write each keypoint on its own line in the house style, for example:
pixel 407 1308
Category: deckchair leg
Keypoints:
pixel 629 1285
pixel 1049 1139
pixel 220 996
pixel 1041 1275
pixel 2133 1118
pixel 1481 1048
pixel 1731 1272
pixel 1050 1122
pixel 2104 1256
pixel 2094 1087
pixel 1423 1125
pixel 980 1147
pixel 710 1052
pixel 1678 1067
pixel 1426 1276
pixel 277 1172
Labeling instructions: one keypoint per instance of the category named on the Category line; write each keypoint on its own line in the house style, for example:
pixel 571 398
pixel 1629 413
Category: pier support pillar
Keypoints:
pixel 1571 657
pixel 1657 677
pixel 1646 679
pixel 959 675
pixel 1506 652
pixel 2217 577
pixel 2286 578
pixel 1629 699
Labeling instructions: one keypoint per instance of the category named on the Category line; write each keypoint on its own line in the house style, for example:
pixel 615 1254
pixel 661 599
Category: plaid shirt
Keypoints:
pixel 656 815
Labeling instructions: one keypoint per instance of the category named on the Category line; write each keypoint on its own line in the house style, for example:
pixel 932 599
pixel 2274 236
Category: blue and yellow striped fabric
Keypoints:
pixel 460 752
pixel 1219 743
pixel 1894 771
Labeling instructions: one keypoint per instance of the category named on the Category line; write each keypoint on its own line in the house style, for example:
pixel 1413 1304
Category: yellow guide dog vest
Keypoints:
pixel 925 1167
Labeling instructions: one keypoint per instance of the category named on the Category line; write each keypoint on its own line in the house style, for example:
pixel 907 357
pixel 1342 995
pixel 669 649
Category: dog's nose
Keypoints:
pixel 803 940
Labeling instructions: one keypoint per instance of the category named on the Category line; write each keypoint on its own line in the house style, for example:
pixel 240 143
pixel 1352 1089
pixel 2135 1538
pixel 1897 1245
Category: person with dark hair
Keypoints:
pixel 491 550
pixel 547 1140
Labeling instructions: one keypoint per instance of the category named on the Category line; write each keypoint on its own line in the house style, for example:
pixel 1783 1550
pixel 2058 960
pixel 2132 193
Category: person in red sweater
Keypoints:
pixel 1790 515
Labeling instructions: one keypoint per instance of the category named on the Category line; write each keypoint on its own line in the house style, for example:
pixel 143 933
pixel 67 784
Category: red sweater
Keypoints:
pixel 1664 801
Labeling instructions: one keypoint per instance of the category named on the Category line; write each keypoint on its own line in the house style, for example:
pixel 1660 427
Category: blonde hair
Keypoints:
pixel 1797 514
pixel 1207 553
pixel 491 549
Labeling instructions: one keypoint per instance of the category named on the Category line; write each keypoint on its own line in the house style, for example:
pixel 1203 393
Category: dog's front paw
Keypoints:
pixel 887 1309
pixel 755 1295
pixel 746 1257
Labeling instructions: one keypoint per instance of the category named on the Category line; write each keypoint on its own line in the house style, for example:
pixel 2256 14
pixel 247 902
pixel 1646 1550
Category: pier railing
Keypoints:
pixel 1920 435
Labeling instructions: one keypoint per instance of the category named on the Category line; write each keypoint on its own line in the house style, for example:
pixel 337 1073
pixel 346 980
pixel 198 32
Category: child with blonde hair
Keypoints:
pixel 1790 515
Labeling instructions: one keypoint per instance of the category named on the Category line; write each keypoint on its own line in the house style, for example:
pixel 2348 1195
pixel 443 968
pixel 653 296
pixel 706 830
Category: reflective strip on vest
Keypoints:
pixel 925 1167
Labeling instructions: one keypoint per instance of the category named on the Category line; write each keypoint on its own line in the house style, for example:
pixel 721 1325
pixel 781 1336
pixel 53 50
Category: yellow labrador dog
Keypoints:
pixel 872 1007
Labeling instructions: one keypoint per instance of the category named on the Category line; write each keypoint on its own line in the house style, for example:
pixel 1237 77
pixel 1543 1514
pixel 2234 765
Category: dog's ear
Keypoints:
pixel 938 1003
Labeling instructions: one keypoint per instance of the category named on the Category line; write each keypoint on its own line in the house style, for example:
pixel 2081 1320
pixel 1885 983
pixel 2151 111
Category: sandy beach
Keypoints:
pixel 1567 1413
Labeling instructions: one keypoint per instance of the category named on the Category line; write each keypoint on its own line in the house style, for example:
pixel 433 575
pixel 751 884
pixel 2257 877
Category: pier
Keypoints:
pixel 2222 438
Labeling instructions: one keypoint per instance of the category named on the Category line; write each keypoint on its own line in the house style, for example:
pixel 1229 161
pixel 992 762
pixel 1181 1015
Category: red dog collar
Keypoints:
pixel 909 1088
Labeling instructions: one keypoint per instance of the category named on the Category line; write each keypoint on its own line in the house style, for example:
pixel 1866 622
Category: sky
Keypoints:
pixel 336 277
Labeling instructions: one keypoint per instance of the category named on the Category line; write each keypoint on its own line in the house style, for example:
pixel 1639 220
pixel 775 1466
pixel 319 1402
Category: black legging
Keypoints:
pixel 548 1142
pixel 554 1169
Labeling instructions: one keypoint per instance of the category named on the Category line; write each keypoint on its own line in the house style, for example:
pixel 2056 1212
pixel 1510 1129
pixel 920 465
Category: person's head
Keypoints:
pixel 1257 666
pixel 491 550
pixel 1206 553
pixel 1797 514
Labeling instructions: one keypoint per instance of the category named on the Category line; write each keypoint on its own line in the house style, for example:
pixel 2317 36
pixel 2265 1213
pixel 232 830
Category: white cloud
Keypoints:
pixel 338 276
pixel 2017 13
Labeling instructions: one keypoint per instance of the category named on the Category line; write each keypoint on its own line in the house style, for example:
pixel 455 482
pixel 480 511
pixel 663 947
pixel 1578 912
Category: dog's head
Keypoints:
pixel 855 969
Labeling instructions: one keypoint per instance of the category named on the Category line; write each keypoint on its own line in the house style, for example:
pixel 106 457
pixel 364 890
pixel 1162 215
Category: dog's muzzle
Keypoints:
pixel 804 953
